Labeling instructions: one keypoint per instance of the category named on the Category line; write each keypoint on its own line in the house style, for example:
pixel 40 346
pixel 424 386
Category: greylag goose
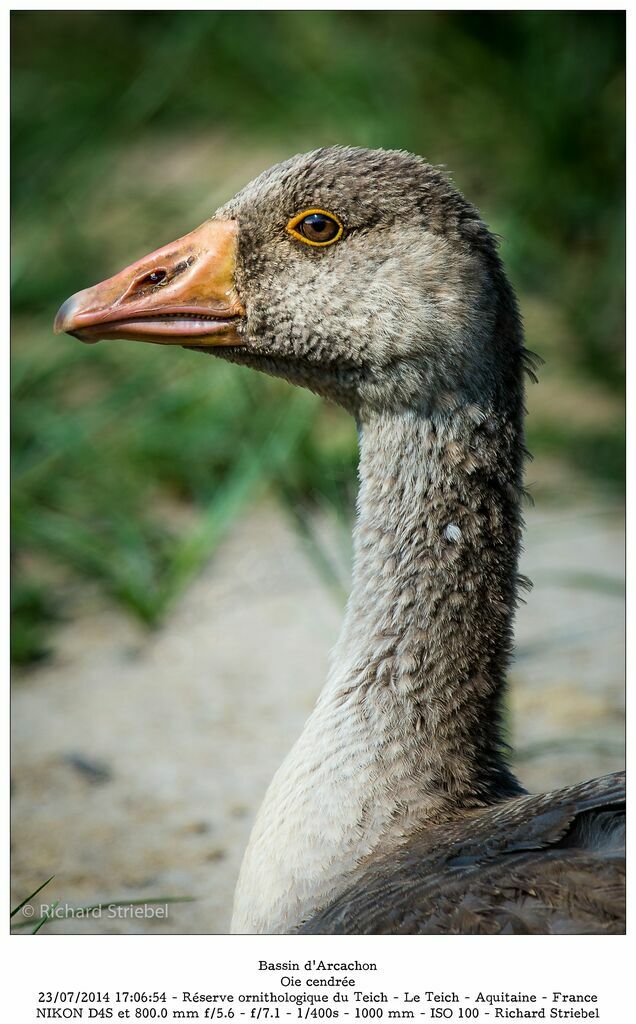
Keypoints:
pixel 366 277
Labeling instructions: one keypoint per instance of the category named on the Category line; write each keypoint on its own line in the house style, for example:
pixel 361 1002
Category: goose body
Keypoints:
pixel 366 277
pixel 549 864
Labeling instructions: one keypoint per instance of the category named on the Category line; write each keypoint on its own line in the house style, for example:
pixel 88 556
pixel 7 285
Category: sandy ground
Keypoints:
pixel 139 761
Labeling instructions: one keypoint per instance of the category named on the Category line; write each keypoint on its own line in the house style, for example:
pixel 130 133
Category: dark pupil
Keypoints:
pixel 319 228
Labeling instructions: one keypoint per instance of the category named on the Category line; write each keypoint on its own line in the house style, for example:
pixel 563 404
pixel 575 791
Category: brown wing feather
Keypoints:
pixel 549 864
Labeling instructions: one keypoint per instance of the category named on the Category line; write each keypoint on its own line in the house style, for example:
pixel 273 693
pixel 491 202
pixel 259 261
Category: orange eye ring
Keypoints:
pixel 296 222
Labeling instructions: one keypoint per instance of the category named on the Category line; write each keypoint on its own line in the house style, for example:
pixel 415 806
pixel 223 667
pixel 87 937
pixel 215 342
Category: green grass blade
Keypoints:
pixel 29 898
pixel 47 917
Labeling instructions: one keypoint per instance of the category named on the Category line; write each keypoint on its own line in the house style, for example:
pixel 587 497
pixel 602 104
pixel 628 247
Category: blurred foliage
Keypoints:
pixel 129 127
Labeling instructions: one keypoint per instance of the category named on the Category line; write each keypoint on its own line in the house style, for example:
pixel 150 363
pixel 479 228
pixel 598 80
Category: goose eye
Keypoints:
pixel 316 227
pixel 319 228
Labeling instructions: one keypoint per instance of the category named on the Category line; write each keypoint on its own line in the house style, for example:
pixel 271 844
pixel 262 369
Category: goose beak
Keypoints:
pixel 182 294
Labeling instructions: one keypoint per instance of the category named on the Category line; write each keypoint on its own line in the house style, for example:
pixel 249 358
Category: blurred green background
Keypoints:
pixel 129 128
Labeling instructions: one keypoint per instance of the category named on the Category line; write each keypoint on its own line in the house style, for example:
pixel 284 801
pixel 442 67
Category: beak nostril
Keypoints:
pixel 155 277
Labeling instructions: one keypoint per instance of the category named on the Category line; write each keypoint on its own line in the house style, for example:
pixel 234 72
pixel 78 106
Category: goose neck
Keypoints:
pixel 428 627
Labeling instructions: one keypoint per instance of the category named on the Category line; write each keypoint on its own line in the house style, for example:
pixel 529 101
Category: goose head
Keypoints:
pixel 362 275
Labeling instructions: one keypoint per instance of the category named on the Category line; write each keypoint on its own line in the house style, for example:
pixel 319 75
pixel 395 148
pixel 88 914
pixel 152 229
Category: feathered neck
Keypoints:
pixel 434 584
pixel 407 730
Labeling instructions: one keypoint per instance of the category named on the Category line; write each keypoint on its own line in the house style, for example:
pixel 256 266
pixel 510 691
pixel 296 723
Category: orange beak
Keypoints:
pixel 182 294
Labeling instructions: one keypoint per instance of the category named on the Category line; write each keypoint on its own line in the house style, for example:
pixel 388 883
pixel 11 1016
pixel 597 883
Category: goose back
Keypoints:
pixel 548 864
